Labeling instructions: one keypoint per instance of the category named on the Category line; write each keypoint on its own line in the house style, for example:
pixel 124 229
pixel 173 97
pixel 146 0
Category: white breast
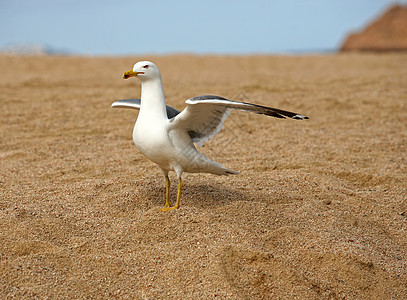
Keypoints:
pixel 151 139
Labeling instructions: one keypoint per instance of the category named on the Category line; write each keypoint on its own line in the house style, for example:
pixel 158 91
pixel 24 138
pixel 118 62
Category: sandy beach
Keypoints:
pixel 319 211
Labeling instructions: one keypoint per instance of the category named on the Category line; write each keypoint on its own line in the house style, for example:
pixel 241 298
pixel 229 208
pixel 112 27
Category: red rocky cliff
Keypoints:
pixel 387 33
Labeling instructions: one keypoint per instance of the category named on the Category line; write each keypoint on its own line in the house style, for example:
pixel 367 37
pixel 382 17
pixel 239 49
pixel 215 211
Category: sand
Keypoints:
pixel 319 211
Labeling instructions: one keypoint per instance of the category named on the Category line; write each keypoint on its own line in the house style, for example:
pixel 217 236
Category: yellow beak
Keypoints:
pixel 129 74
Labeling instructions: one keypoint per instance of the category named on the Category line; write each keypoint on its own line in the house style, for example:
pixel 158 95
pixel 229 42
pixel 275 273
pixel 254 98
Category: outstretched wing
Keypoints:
pixel 205 115
pixel 135 103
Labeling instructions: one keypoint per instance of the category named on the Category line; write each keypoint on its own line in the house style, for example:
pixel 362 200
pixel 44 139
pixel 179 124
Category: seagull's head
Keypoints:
pixel 143 70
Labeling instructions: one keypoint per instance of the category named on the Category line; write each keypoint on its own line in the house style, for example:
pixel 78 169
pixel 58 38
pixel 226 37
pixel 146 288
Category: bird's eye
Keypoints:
pixel 145 67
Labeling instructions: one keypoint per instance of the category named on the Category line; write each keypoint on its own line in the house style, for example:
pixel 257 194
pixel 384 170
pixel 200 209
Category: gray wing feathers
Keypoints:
pixel 210 122
pixel 205 115
pixel 127 103
pixel 258 109
pixel 135 103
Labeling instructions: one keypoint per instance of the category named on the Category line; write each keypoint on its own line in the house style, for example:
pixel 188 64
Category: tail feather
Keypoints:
pixel 231 172
pixel 217 169
pixel 199 163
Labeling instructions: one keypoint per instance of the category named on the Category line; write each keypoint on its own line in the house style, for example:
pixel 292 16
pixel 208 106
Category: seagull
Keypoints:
pixel 166 136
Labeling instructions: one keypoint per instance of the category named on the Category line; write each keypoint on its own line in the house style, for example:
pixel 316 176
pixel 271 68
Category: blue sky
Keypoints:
pixel 101 27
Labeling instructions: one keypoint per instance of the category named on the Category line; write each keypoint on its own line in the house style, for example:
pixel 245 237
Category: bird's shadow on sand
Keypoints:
pixel 197 195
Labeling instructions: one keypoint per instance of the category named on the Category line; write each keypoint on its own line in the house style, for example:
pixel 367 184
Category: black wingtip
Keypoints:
pixel 300 117
pixel 272 114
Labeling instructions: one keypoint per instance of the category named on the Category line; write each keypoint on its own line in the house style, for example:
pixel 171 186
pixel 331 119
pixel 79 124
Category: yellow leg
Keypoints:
pixel 179 192
pixel 165 208
pixel 167 192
